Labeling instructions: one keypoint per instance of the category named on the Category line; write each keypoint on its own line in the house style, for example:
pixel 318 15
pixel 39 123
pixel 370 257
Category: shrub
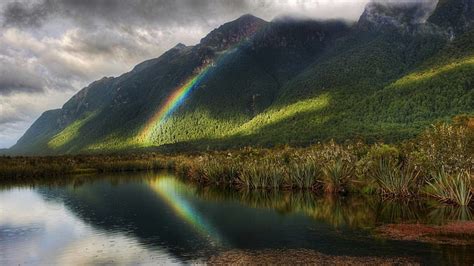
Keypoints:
pixel 337 166
pixel 395 179
pixel 303 174
pixel 376 153
pixel 444 147
pixel 336 175
pixel 451 188
pixel 220 171
pixel 263 174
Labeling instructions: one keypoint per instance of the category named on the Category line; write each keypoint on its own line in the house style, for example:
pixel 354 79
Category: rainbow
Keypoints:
pixel 169 190
pixel 172 102
pixel 177 97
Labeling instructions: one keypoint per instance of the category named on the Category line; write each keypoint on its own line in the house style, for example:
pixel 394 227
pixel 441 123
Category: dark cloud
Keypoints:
pixel 91 13
pixel 118 12
pixel 15 79
pixel 109 43
pixel 25 15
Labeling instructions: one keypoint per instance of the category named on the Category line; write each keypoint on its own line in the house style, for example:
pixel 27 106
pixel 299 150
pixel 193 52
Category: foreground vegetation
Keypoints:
pixel 27 168
pixel 439 163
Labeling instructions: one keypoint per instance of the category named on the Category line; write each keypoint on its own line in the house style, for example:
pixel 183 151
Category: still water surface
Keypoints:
pixel 149 217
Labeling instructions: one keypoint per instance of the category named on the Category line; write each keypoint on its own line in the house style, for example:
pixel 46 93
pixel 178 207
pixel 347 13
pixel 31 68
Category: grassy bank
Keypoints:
pixel 454 233
pixel 18 168
pixel 300 256
pixel 439 163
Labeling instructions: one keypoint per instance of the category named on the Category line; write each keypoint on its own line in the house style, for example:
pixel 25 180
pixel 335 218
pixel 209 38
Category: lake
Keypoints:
pixel 141 218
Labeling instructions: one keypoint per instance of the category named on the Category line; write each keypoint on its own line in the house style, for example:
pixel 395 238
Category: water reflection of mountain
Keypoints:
pixel 132 209
pixel 192 222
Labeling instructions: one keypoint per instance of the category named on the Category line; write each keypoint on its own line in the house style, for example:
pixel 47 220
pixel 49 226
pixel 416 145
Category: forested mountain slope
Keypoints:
pixel 251 82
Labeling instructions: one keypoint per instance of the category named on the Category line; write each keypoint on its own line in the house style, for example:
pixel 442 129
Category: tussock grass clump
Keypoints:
pixel 395 179
pixel 220 171
pixel 263 174
pixel 336 175
pixel 451 188
pixel 304 174
pixel 337 164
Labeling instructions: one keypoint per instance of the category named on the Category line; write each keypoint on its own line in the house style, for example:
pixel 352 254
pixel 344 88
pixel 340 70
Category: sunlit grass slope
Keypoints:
pixel 373 97
pixel 70 132
pixel 443 86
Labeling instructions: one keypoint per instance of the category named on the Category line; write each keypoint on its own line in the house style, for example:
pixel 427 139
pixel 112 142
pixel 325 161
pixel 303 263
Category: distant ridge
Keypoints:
pixel 290 81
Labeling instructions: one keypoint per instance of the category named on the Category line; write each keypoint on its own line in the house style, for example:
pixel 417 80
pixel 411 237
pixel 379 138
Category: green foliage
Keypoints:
pixel 20 168
pixel 444 147
pixel 336 175
pixel 70 133
pixel 377 152
pixel 13 169
pixel 130 165
pixel 395 179
pixel 304 174
pixel 274 116
pixel 263 174
pixel 220 170
pixel 451 188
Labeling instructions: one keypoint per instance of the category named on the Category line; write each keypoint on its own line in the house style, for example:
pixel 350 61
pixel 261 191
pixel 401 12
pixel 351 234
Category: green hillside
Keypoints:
pixel 252 82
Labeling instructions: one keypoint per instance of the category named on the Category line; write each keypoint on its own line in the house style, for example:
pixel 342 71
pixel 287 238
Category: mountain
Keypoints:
pixel 455 15
pixel 379 15
pixel 251 82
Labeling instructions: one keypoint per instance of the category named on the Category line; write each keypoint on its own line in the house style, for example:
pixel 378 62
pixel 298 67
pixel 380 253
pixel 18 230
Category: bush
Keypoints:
pixel 451 188
pixel 304 174
pixel 395 179
pixel 337 166
pixel 444 147
pixel 336 175
pixel 263 174
pixel 220 171
pixel 376 153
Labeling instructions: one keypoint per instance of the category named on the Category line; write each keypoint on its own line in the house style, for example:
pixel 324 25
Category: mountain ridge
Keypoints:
pixel 265 83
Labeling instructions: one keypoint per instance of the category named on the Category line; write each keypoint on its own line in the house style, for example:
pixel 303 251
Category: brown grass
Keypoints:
pixel 300 257
pixel 455 233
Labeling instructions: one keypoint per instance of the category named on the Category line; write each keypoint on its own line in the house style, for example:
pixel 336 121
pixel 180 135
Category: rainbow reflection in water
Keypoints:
pixel 171 191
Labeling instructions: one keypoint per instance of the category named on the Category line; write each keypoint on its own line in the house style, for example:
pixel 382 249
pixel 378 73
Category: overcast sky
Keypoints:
pixel 49 49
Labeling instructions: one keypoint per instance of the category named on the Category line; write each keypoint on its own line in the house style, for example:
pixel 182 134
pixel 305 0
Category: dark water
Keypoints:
pixel 144 218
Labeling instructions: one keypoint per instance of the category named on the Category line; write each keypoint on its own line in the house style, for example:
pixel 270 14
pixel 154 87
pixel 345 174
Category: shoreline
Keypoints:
pixel 300 257
pixel 460 233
